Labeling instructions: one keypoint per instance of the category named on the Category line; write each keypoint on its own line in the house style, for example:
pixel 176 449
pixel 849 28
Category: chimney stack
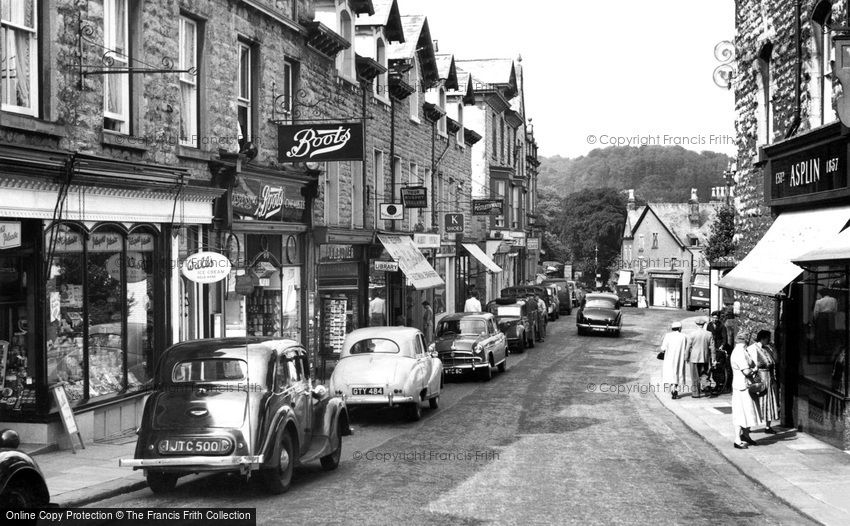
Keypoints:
pixel 631 206
pixel 693 216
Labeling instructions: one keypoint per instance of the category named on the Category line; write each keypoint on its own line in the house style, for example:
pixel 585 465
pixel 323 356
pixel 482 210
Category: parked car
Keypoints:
pixel 628 294
pixel 22 484
pixel 699 291
pixel 241 405
pixel 564 293
pixel 600 312
pixel 517 319
pixel 471 343
pixel 521 291
pixel 388 366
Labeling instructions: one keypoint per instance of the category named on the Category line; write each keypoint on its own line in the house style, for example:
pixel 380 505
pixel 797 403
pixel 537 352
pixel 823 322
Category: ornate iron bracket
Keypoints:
pixel 282 114
pixel 106 66
pixel 724 74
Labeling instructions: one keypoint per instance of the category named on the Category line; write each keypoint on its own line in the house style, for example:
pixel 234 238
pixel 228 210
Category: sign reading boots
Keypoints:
pixel 336 141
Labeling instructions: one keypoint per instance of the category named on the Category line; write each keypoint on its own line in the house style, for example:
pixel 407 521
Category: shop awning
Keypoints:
pixel 483 258
pixel 836 250
pixel 625 277
pixel 768 268
pixel 411 261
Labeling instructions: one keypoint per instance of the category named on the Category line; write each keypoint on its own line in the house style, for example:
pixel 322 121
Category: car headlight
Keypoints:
pixel 477 348
pixel 432 347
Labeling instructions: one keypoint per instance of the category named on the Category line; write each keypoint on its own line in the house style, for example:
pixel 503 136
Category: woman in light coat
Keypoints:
pixel 766 362
pixel 746 412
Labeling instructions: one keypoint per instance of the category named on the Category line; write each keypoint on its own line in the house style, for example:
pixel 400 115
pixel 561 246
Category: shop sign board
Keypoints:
pixel 136 265
pixel 267 200
pixel 391 211
pixel 533 243
pixel 427 240
pixel 485 207
pixel 454 223
pixel 809 172
pixel 414 197
pixel 411 261
pixel 331 141
pixel 66 414
pixel 10 234
pixel 386 266
pixel 332 253
pixel 206 267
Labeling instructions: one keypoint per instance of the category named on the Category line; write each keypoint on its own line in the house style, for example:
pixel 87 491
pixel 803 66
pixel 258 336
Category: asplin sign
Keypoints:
pixel 320 142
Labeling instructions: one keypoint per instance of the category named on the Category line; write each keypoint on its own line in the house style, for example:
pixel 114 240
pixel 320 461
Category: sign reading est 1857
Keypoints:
pixel 336 141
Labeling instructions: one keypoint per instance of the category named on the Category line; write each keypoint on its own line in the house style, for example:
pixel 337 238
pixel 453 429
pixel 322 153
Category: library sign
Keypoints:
pixel 809 173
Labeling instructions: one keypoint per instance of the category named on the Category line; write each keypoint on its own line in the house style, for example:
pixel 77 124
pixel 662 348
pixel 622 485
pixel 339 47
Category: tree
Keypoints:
pixel 720 241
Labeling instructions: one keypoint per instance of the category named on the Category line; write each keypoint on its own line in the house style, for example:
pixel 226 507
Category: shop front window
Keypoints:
pixel 823 345
pixel 100 323
pixel 440 293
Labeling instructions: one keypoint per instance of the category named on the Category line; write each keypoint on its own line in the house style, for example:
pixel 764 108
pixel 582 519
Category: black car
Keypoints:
pixel 522 291
pixel 565 296
pixel 22 484
pixel 517 319
pixel 600 312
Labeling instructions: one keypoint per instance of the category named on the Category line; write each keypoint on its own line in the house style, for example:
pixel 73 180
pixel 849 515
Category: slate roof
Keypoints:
pixel 490 71
pixel 412 26
pixel 383 9
pixel 675 216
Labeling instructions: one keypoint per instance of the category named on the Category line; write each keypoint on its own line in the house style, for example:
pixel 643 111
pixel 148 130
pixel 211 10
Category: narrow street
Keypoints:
pixel 546 442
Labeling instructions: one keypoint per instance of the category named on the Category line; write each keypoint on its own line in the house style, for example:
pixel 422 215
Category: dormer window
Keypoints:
pixel 381 81
pixel 345 63
pixel 441 124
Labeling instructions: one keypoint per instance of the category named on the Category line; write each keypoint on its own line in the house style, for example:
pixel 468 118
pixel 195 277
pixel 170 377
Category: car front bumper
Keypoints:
pixel 378 400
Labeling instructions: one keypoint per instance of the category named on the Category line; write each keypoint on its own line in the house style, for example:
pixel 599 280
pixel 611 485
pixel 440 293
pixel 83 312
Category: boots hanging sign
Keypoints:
pixel 336 141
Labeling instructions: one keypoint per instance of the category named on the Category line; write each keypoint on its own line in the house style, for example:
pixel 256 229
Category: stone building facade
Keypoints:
pixel 790 198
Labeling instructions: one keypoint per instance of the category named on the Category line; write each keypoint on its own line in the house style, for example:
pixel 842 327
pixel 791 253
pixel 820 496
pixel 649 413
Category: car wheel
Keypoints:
pixel 580 331
pixel 434 403
pixel 617 333
pixel 278 477
pixel 520 347
pixel 487 372
pixel 331 461
pixel 414 411
pixel 18 497
pixel 504 365
pixel 160 482
pixel 531 340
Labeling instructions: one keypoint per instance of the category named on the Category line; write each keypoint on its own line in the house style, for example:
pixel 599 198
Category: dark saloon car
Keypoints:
pixel 243 405
pixel 600 312
pixel 565 293
pixel 517 319
pixel 521 291
pixel 22 484
pixel 471 343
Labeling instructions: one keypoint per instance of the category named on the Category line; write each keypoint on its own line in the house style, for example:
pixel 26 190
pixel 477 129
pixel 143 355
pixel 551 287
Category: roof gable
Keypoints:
pixel 492 73
pixel 388 16
pixel 447 71
pixel 418 41
pixel 675 218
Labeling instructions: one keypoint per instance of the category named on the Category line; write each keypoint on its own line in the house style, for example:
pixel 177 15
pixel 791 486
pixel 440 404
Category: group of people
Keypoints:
pixel 700 356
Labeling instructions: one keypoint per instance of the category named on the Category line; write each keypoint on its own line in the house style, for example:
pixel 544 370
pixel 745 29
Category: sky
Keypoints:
pixel 602 73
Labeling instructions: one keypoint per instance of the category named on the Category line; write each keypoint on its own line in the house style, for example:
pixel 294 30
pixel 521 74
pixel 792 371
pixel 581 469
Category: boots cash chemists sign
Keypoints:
pixel 320 142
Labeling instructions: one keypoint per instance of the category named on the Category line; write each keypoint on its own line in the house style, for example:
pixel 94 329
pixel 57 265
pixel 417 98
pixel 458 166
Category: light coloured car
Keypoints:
pixel 388 366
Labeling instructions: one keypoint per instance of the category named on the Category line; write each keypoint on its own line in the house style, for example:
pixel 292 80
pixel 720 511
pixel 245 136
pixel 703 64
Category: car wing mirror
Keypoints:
pixel 319 392
pixel 435 354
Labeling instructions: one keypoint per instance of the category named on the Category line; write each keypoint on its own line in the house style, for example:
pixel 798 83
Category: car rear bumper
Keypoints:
pixel 196 463
pixel 603 328
pixel 377 400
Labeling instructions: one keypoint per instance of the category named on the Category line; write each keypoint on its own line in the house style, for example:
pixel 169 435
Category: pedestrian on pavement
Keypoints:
pixel 675 366
pixel 701 355
pixel 377 310
pixel 542 317
pixel 717 329
pixel 472 304
pixel 731 326
pixel 746 412
pixel 427 322
pixel 766 362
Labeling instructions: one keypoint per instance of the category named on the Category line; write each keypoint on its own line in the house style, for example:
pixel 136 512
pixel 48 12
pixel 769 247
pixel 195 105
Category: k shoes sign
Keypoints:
pixel 320 142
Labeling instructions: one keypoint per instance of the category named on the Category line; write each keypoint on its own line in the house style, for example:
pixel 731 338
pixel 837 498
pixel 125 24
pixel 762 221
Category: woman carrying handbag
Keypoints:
pixel 746 412
pixel 766 361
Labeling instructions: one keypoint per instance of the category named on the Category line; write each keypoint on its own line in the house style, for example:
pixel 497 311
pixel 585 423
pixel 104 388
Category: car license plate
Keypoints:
pixel 367 391
pixel 454 371
pixel 194 446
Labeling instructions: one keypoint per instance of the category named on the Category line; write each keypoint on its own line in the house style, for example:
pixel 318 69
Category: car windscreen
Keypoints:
pixel 462 326
pixel 210 370
pixel 701 280
pixel 597 303
pixel 510 310
pixel 374 345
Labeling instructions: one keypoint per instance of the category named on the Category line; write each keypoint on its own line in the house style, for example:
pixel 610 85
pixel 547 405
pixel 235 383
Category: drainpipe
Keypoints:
pixel 795 124
pixel 392 153
pixel 363 119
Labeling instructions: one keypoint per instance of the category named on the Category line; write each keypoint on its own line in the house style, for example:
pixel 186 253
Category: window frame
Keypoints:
pixel 122 120
pixel 442 124
pixel 381 82
pixel 33 109
pixel 414 100
pixel 459 137
pixel 654 240
pixel 345 61
pixel 192 136
pixel 246 135
pixel 824 59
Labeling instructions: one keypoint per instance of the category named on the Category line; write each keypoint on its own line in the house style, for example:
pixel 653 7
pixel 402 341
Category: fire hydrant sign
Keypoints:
pixel 206 267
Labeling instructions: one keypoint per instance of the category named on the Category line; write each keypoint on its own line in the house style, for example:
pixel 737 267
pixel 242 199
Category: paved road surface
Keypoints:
pixel 547 442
